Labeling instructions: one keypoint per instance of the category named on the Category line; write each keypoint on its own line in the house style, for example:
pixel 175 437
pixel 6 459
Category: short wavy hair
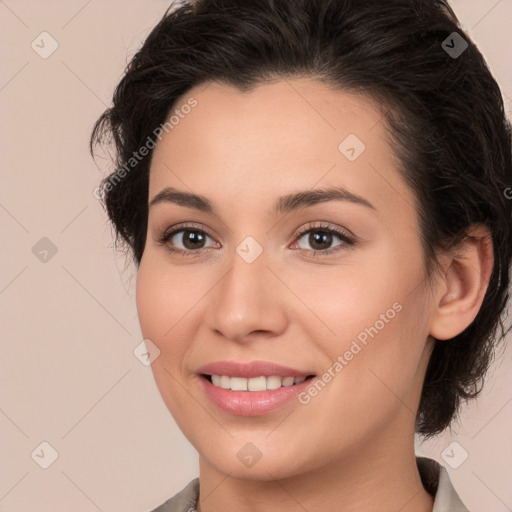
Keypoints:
pixel 442 108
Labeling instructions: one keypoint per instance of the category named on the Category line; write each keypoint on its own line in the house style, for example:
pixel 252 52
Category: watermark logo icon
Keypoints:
pixel 454 45
pixel 249 250
pixel 44 455
pixel 454 455
pixel 44 45
pixel 351 147
pixel 249 454
pixel 146 352
pixel 44 250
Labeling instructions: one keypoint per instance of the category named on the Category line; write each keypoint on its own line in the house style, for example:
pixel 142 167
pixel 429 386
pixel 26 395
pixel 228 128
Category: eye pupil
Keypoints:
pixel 320 237
pixel 192 239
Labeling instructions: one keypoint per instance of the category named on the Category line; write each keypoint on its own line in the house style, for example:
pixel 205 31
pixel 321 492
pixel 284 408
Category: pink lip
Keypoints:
pixel 251 403
pixel 252 369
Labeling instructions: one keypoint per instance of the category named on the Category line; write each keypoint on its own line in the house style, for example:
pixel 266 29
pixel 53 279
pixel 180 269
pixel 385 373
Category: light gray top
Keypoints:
pixel 434 477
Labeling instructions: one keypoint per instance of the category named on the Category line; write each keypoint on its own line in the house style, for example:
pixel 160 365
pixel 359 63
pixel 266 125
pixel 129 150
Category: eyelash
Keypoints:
pixel 348 240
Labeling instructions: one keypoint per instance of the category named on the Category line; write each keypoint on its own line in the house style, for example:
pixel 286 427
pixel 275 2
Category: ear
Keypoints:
pixel 462 287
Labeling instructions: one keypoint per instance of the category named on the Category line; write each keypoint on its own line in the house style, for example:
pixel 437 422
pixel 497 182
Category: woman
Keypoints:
pixel 314 194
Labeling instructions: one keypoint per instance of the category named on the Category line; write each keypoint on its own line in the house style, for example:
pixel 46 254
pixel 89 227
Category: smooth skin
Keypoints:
pixel 351 447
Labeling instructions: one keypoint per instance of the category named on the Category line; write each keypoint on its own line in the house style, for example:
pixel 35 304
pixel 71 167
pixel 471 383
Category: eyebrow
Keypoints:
pixel 283 204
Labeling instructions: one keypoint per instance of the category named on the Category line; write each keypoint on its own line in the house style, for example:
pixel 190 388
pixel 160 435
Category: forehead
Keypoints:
pixel 275 138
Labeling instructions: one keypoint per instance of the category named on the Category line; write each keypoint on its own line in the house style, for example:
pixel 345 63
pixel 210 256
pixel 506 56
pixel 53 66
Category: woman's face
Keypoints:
pixel 277 278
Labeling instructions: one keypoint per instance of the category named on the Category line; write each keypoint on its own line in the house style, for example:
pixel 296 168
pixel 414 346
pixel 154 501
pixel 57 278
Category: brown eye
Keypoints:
pixel 192 239
pixel 186 240
pixel 321 238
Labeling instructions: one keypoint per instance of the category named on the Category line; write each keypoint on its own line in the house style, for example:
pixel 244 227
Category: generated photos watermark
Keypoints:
pixel 150 143
pixel 357 345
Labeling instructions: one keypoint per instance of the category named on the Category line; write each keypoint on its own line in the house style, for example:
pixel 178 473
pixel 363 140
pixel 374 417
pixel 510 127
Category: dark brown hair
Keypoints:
pixel 442 106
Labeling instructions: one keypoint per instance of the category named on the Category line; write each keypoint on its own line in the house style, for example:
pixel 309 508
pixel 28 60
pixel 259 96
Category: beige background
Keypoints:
pixel 69 325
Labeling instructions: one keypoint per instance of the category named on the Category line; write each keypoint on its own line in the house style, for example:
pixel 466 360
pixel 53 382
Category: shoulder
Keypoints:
pixel 436 480
pixel 184 501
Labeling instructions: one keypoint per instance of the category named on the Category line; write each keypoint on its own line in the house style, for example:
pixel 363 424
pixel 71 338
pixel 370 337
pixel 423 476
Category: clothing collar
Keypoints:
pixel 437 483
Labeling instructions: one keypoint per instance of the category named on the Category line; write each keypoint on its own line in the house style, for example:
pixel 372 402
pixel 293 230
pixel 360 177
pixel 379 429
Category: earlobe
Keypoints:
pixel 463 286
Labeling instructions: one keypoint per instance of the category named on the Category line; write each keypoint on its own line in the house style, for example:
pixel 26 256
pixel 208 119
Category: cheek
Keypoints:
pixel 153 323
pixel 374 317
pixel 161 298
pixel 382 359
pixel 159 308
pixel 354 300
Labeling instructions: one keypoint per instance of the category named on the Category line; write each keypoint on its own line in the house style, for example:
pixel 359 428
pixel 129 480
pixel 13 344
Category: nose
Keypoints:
pixel 249 302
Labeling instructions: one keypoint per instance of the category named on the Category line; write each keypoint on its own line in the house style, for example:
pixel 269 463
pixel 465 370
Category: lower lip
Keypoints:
pixel 252 403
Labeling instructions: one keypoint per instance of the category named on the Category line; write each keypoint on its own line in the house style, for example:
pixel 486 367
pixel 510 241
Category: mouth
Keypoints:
pixel 252 389
pixel 261 383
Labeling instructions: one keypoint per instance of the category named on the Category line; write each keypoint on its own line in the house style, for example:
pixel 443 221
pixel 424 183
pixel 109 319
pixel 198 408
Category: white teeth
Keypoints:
pixel 225 382
pixel 257 384
pixel 254 383
pixel 238 384
pixel 273 382
pixel 288 381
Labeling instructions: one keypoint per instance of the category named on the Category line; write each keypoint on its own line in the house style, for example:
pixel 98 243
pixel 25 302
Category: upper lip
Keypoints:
pixel 251 369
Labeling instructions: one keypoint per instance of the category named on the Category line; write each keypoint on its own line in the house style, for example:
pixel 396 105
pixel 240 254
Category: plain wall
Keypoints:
pixel 69 324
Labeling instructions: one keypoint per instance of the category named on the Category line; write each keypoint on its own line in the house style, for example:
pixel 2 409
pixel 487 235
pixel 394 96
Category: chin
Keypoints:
pixel 256 461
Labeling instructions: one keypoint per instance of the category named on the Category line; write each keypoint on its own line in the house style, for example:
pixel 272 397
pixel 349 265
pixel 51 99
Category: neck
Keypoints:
pixel 377 476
